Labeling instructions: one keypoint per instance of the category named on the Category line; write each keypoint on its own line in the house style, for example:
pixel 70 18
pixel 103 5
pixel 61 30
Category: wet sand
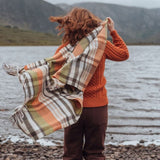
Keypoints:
pixel 25 151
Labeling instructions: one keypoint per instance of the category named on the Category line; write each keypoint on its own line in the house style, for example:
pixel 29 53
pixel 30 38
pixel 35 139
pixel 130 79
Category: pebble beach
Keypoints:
pixel 26 151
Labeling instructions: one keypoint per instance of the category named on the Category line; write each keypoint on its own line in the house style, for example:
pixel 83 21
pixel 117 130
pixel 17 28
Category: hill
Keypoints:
pixel 10 36
pixel 134 24
pixel 29 14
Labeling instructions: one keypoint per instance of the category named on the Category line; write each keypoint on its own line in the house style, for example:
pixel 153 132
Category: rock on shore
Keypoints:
pixel 25 151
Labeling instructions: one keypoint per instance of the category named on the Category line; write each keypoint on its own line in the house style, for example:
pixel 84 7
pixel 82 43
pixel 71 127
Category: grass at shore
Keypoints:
pixel 12 36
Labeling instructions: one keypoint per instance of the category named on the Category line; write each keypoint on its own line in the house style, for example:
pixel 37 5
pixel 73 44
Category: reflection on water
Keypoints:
pixel 133 90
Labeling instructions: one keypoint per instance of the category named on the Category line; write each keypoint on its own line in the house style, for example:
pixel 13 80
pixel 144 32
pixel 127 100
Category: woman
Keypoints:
pixel 86 137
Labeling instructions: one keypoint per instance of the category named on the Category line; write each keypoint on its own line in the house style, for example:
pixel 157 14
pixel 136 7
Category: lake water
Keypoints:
pixel 133 91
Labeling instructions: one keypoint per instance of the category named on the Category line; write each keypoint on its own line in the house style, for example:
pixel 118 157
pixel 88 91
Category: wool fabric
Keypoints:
pixel 95 94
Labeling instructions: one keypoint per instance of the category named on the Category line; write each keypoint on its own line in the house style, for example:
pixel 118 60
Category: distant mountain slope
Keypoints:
pixel 136 25
pixel 28 14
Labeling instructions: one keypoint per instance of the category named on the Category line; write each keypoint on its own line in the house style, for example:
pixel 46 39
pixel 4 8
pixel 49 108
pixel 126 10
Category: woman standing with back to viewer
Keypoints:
pixel 86 137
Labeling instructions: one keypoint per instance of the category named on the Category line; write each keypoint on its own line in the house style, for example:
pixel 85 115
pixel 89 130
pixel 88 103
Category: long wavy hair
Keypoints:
pixel 76 24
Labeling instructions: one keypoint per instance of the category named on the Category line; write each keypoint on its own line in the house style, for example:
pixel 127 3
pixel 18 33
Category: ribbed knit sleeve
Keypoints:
pixel 118 50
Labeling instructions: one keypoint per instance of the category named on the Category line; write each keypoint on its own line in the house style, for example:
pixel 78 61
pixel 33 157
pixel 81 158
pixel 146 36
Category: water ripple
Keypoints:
pixel 133 91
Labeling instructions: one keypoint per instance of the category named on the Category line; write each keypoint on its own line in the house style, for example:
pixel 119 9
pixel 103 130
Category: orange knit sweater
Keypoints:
pixel 95 94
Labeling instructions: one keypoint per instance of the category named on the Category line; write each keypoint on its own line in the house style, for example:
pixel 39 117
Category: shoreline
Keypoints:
pixel 26 151
pixel 48 141
pixel 38 44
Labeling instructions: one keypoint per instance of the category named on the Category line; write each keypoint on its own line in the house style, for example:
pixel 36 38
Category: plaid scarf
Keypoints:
pixel 54 86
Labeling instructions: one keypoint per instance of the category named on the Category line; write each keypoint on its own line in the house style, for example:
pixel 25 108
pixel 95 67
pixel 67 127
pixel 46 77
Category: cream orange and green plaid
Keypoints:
pixel 54 86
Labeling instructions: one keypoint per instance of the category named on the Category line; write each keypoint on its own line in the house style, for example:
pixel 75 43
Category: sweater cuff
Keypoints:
pixel 25 67
pixel 113 33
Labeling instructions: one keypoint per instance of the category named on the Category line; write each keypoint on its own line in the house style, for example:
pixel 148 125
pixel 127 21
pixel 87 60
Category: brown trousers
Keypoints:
pixel 86 137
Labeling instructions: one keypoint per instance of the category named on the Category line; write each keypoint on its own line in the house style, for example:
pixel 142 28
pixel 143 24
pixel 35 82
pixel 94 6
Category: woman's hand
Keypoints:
pixel 110 24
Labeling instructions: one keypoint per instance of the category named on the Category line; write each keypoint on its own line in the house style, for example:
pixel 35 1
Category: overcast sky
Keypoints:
pixel 138 3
